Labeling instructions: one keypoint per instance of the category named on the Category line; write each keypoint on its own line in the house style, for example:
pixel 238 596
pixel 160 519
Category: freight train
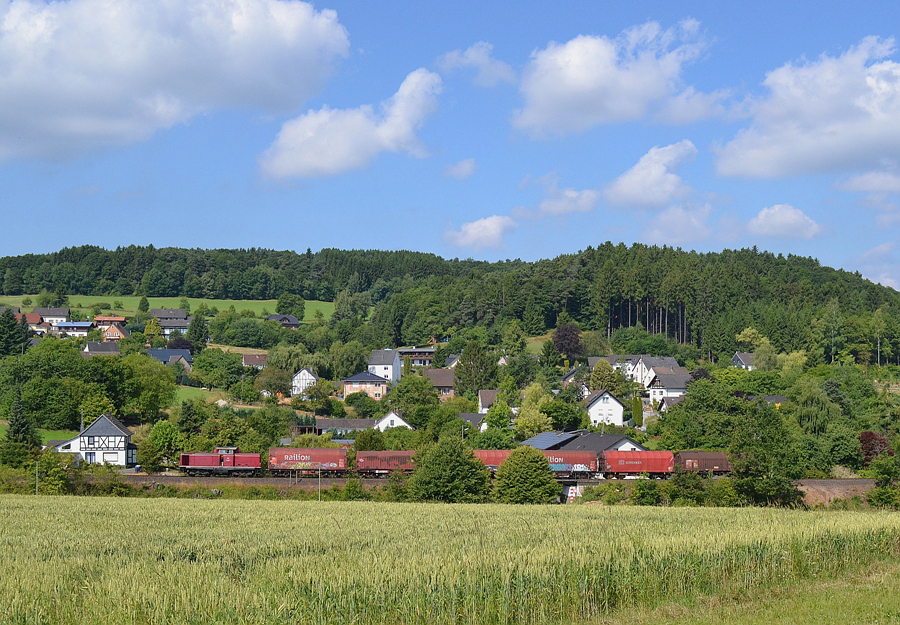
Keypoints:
pixel 572 464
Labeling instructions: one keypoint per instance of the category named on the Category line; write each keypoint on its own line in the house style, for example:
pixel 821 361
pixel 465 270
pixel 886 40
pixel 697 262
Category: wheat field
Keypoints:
pixel 71 560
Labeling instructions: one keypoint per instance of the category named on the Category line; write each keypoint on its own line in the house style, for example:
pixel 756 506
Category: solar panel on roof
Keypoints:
pixel 549 439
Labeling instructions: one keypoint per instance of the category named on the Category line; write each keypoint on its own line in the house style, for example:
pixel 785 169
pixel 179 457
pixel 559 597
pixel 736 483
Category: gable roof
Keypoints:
pixel 383 357
pixel 671 380
pixel 472 418
pixel 451 360
pixel 486 398
pixel 168 313
pixel 365 376
pixel 323 423
pixel 254 360
pixel 745 358
pixel 15 309
pixel 591 399
pixel 106 425
pixel 52 312
pixel 284 319
pixel 658 361
pixel 308 370
pixel 175 323
pixel 98 347
pixel 31 319
pixel 441 377
pixel 668 402
pixel 165 355
pixel 396 414
pixel 593 441
pixel 115 328
pixel 550 440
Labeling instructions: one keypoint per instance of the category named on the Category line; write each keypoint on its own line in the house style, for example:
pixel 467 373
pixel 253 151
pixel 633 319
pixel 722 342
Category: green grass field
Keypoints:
pixel 46 435
pixel 83 303
pixel 190 392
pixel 109 561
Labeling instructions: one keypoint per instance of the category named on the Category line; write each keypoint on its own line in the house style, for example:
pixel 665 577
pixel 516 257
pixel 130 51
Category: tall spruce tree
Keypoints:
pixel 10 335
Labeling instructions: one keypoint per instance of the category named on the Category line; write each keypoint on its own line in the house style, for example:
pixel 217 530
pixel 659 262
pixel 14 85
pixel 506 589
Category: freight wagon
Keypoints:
pixel 492 458
pixel 381 463
pixel 579 464
pixel 223 461
pixel 708 462
pixel 288 460
pixel 622 464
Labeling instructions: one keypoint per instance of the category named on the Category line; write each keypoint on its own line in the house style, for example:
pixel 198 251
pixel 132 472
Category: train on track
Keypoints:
pixel 566 465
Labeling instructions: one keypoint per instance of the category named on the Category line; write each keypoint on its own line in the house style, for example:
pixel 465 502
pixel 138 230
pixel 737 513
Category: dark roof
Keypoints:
pixel 382 357
pixel 415 350
pixel 364 376
pixel 668 402
pixel 672 380
pixel 55 442
pixel 34 340
pixel 449 360
pixel 345 424
pixel 486 398
pixel 106 425
pixel 745 357
pixel 98 347
pixel 284 319
pixel 168 313
pixel 659 361
pixel 165 355
pixel 570 373
pixel 175 323
pixel 550 440
pixel 52 312
pixel 441 377
pixel 15 309
pixel 308 370
pixel 593 441
pixel 472 418
pixel 590 399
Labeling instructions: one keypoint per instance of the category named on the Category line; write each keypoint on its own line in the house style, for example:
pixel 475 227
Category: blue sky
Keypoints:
pixel 469 130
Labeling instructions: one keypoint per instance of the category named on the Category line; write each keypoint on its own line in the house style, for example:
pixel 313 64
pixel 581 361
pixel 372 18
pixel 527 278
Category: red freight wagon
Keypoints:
pixel 492 458
pixel 573 463
pixel 223 461
pixel 283 460
pixel 384 462
pixel 619 464
pixel 715 462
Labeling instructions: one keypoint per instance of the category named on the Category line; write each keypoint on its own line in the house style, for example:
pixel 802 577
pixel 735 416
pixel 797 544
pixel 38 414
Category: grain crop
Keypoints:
pixel 71 560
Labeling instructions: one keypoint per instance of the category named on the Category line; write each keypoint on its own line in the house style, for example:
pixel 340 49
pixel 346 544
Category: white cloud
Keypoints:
pixel 566 201
pixel 652 181
pixel 593 80
pixel 487 232
pixel 873 182
pixel 462 169
pixel 783 221
pixel 678 225
pixel 330 141
pixel 880 263
pixel 85 74
pixel 833 114
pixel 488 70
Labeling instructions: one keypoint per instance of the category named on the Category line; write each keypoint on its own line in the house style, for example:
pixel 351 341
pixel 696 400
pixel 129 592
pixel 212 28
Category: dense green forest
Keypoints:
pixel 703 300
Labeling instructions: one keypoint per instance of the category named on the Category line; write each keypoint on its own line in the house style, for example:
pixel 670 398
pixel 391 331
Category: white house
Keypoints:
pixel 642 370
pixel 386 363
pixel 301 381
pixel 53 316
pixel 486 399
pixel 393 419
pixel 602 407
pixel 668 385
pixel 77 329
pixel 105 441
pixel 744 360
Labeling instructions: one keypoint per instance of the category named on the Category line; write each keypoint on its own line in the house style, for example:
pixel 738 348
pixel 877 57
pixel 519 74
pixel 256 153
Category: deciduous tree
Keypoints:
pixel 525 477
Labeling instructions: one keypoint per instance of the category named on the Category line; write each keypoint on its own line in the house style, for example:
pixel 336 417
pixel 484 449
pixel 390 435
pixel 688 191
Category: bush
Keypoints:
pixel 646 493
pixel 525 477
pixel 449 472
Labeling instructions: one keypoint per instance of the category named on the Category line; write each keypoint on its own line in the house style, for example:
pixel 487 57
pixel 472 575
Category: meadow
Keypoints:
pixel 84 303
pixel 111 561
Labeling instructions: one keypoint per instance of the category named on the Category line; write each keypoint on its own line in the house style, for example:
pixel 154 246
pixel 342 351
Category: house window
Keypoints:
pixel 90 441
pixel 90 457
pixel 392 423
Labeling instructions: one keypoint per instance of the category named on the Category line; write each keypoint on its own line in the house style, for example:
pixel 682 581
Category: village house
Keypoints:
pixel 372 385
pixel 418 356
pixel 288 322
pixel 257 361
pixel 443 381
pixel 76 329
pixel 393 419
pixel 105 441
pixel 301 381
pixel 486 399
pixel 171 356
pixel 744 360
pixel 168 314
pixel 53 316
pixel 669 385
pixel 603 407
pixel 387 364
pixel 115 333
pixel 98 348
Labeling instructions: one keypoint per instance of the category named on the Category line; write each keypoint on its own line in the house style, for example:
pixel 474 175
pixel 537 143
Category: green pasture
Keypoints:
pixel 84 303
pixel 46 435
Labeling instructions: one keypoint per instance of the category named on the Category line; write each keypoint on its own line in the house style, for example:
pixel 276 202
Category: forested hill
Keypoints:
pixel 703 299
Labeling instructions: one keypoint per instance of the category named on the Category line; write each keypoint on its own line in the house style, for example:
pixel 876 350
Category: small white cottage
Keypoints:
pixel 105 441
